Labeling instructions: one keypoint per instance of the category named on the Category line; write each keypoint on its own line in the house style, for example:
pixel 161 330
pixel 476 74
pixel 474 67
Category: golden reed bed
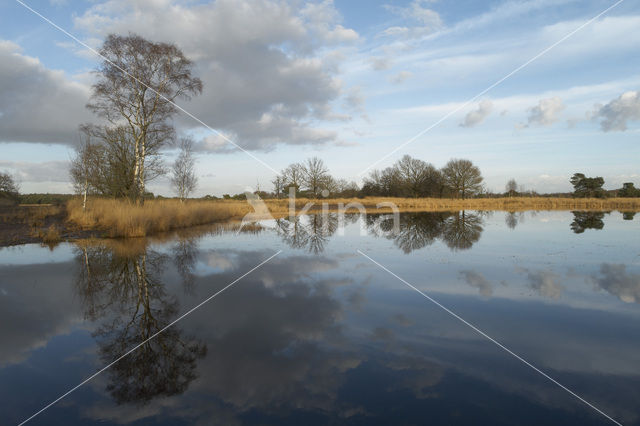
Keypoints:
pixel 120 218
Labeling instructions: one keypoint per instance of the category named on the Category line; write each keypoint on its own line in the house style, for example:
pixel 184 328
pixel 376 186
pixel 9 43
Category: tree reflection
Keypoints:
pixel 309 232
pixel 185 256
pixel 586 220
pixel 123 293
pixel 628 215
pixel 513 218
pixel 458 230
pixel 462 230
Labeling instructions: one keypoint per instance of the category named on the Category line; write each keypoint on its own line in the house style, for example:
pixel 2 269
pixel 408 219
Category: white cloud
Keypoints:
pixel 48 171
pixel 262 62
pixel 354 99
pixel 506 11
pixel 380 63
pixel 37 104
pixel 546 112
pixel 321 19
pixel 401 77
pixel 477 116
pixel 215 142
pixel 396 31
pixel 426 20
pixel 615 114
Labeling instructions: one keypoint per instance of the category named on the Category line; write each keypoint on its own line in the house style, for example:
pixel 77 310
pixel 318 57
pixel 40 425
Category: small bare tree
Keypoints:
pixel 80 169
pixel 292 177
pixel 278 185
pixel 183 177
pixel 315 175
pixel 512 187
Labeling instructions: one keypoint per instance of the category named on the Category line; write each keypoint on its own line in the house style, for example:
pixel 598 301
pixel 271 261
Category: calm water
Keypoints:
pixel 322 335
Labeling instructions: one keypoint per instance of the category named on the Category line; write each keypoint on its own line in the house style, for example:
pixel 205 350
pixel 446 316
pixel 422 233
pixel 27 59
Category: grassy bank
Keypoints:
pixel 30 223
pixel 119 218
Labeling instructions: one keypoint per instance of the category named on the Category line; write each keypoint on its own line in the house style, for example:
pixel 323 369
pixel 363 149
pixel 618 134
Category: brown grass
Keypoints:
pixel 120 218
pixel 51 236
pixel 28 214
pixel 504 204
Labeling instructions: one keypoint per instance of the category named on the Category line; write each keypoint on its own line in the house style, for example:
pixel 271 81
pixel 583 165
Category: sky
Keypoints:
pixel 534 90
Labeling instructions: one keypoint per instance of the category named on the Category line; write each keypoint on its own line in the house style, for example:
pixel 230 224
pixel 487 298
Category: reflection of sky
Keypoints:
pixel 542 247
pixel 331 338
pixel 29 254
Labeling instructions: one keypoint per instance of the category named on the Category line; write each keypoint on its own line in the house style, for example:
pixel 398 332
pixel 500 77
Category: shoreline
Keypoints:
pixel 108 218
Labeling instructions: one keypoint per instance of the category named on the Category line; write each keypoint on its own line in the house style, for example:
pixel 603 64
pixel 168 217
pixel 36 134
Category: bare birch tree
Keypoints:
pixel 104 163
pixel 183 178
pixel 80 169
pixel 138 81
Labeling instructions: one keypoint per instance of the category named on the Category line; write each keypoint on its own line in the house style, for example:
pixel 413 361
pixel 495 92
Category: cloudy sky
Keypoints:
pixel 348 81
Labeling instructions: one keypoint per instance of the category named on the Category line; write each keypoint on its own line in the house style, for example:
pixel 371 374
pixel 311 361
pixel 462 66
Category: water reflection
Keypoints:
pixel 513 218
pixel 185 257
pixel 324 338
pixel 543 282
pixel 458 230
pixel 587 220
pixel 477 280
pixel 256 360
pixel 310 232
pixel 123 294
pixel 614 279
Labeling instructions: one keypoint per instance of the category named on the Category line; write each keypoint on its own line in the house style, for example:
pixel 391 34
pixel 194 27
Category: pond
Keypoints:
pixel 352 321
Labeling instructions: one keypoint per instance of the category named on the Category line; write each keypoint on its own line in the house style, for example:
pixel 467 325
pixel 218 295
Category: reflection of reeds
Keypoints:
pixel 120 218
pixel 119 247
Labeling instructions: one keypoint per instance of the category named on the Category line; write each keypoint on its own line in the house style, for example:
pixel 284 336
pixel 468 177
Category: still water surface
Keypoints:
pixel 320 334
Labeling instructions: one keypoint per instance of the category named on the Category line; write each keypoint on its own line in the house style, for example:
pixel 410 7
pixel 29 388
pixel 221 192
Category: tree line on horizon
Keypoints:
pixel 592 187
pixel 408 177
pixel 411 177
pixel 414 178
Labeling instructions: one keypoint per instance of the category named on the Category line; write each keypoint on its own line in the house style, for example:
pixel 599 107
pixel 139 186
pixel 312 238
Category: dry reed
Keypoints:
pixel 51 236
pixel 32 215
pixel 503 204
pixel 121 218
